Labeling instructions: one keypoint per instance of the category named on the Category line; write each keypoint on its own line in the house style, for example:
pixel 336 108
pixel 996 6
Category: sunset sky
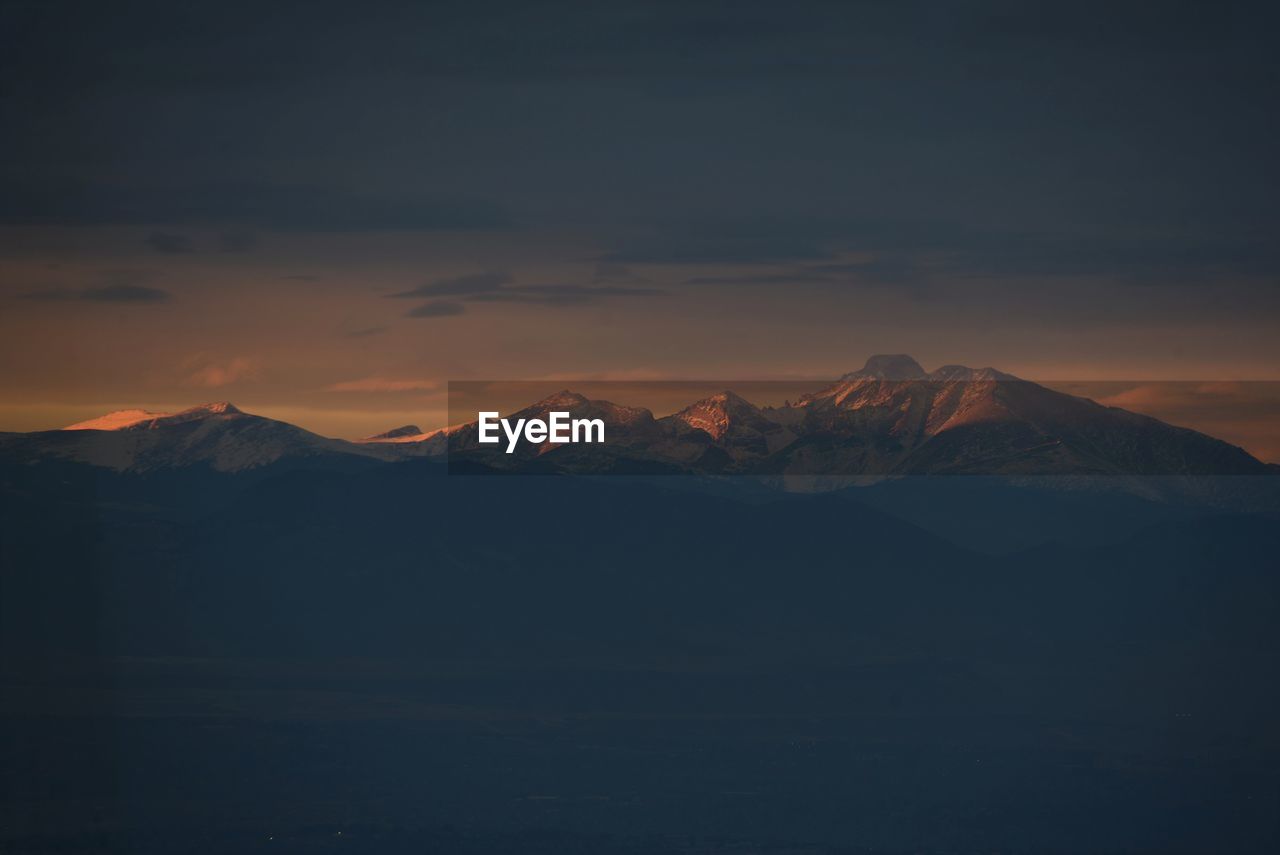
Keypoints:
pixel 198 204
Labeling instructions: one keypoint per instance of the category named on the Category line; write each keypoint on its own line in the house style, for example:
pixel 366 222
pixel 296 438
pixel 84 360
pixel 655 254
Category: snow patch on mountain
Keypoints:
pixel 117 420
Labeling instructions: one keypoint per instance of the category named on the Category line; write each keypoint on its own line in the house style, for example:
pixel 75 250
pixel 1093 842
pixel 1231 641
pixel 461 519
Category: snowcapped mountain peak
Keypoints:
pixel 710 415
pixel 715 414
pixel 217 435
pixel 733 422
pixel 117 420
pixel 217 408
pixel 139 419
pixel 202 411
pixel 730 399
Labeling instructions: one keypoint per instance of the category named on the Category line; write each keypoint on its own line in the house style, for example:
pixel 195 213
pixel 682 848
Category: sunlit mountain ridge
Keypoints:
pixel 889 418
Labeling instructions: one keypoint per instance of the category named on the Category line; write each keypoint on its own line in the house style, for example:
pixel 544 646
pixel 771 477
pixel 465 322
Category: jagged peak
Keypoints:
pixel 716 413
pixel 730 397
pixel 727 399
pixel 216 408
pixel 889 366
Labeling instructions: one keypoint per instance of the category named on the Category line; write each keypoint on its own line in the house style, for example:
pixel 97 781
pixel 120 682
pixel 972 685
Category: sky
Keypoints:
pixel 325 212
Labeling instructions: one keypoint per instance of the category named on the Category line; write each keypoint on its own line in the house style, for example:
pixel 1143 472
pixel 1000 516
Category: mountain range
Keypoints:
pixel 889 418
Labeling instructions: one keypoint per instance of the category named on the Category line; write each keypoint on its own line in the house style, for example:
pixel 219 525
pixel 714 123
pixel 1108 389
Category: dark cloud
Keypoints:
pixel 917 254
pixel 474 283
pixel 499 288
pixel 561 295
pixel 788 277
pixel 771 238
pixel 114 285
pixel 436 309
pixel 692 248
pixel 103 294
pixel 877 271
pixel 168 243
pixel 1091 140
pixel 125 294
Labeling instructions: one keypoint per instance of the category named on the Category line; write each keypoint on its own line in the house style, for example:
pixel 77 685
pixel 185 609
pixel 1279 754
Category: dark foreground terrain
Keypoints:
pixel 389 659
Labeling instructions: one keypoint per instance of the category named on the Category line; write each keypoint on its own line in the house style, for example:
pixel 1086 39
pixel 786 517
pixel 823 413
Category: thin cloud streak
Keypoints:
pixel 102 294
